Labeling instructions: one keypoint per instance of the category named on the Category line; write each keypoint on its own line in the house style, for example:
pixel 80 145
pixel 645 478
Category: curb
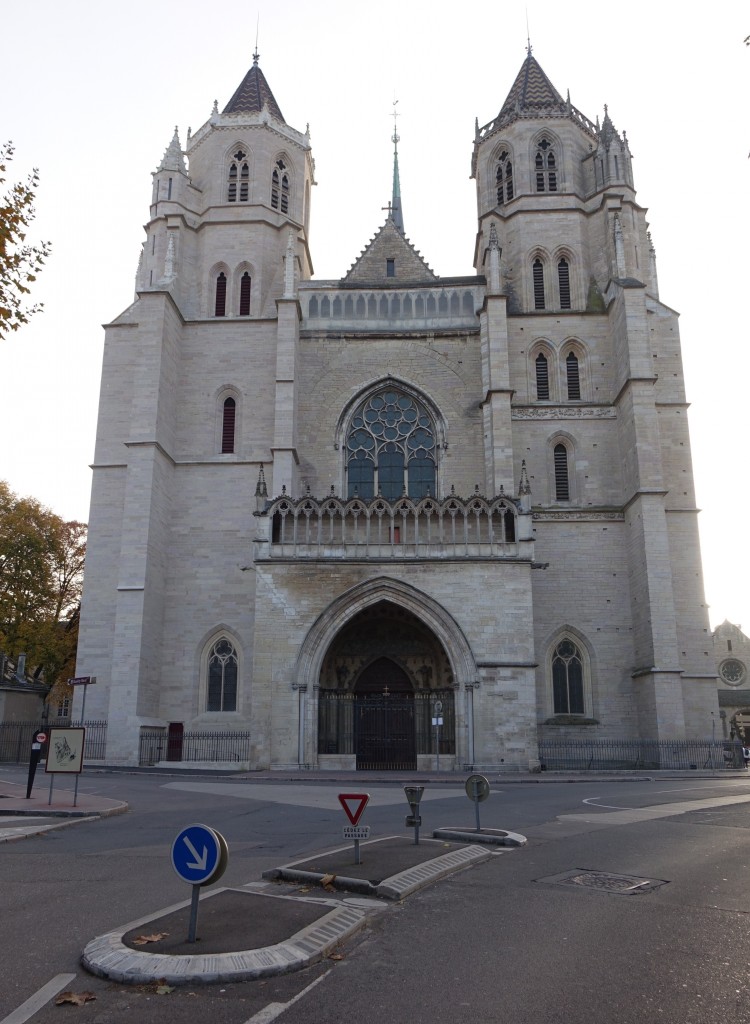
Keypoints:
pixel 492 837
pixel 108 957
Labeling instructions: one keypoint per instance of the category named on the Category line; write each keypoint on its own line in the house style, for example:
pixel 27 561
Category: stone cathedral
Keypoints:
pixel 391 516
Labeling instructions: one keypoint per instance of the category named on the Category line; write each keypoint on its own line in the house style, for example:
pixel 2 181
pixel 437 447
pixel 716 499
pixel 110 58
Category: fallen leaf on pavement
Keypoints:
pixel 336 956
pixel 326 881
pixel 76 998
pixel 164 990
pixel 141 940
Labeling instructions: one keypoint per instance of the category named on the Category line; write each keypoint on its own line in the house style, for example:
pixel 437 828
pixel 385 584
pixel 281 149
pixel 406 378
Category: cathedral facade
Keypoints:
pixel 394 516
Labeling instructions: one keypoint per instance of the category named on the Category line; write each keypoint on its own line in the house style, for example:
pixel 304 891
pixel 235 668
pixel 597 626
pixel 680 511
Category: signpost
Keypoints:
pixel 477 789
pixel 65 755
pixel 437 721
pixel 199 856
pixel 40 738
pixel 414 820
pixel 354 804
pixel 85 682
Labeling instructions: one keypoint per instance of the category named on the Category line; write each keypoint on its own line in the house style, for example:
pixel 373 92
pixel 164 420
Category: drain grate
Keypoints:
pixel 605 881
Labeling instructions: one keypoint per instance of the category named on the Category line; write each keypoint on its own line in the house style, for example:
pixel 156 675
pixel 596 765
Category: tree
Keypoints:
pixel 41 577
pixel 19 263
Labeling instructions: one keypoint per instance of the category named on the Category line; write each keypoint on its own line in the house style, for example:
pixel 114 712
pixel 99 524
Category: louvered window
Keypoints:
pixel 504 179
pixel 245 295
pixel 545 164
pixel 563 279
pixel 562 485
pixel 220 307
pixel 542 378
pixel 227 426
pixel 538 272
pixel 574 380
pixel 239 169
pixel 284 194
pixel 280 188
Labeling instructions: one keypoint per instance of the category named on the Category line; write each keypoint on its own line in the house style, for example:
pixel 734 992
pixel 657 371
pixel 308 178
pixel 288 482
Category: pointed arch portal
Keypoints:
pixel 382 666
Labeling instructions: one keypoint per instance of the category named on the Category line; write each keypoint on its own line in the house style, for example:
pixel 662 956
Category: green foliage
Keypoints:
pixel 19 263
pixel 41 577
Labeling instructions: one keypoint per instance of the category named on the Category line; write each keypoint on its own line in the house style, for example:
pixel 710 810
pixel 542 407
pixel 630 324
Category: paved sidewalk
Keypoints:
pixel 21 818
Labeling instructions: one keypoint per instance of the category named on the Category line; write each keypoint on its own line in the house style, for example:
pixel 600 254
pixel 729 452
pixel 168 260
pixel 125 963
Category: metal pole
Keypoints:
pixel 193 913
pixel 83 712
pixel 357 859
pixel 475 786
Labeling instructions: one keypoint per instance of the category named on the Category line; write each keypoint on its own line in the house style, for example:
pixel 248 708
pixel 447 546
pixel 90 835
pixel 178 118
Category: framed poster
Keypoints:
pixel 65 751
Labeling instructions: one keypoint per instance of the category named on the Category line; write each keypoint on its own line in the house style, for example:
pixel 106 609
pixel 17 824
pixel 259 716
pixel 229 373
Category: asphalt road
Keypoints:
pixel 504 941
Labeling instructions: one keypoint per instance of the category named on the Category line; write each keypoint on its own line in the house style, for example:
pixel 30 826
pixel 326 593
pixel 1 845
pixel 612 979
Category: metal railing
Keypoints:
pixel 158 745
pixel 342 716
pixel 16 737
pixel 638 755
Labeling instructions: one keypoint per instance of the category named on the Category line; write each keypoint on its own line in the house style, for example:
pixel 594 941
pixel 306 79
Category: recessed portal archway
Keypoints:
pixel 380 682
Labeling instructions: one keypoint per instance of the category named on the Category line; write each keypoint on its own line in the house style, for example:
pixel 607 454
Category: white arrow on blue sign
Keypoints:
pixel 197 855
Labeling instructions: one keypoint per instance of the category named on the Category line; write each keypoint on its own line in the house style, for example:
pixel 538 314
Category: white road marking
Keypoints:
pixel 273 1010
pixel 304 795
pixel 37 1001
pixel 630 815
pixel 591 801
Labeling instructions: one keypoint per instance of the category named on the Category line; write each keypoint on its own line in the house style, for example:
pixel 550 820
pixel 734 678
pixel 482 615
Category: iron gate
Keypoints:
pixel 385 732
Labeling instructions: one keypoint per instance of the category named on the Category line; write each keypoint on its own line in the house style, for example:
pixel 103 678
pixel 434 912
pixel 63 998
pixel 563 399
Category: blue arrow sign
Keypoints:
pixel 196 854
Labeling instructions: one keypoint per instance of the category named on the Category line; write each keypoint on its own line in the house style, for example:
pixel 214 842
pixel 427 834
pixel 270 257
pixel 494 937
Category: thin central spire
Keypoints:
pixel 396 214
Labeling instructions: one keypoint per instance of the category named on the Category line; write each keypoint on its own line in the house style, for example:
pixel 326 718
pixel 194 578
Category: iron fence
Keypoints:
pixel 16 737
pixel 341 715
pixel 159 745
pixel 638 755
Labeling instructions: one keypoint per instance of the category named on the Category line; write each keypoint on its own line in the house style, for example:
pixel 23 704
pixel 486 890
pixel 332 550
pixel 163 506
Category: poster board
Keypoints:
pixel 65 751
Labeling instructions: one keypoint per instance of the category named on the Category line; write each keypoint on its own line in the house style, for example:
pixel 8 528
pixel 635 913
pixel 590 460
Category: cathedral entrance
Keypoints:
pixel 380 682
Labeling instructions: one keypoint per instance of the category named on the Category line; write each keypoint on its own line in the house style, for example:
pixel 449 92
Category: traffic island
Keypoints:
pixel 242 936
pixel 490 836
pixel 391 867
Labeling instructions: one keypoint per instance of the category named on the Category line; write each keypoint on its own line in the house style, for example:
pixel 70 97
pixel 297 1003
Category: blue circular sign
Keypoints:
pixel 199 854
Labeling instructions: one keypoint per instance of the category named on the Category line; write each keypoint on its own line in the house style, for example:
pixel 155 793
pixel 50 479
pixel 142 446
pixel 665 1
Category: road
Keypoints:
pixel 504 941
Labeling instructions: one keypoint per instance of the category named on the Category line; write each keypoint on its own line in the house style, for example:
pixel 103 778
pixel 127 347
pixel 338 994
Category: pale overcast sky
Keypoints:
pixel 91 91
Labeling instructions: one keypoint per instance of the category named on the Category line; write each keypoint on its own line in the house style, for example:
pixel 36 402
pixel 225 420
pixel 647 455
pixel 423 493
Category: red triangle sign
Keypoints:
pixel 353 804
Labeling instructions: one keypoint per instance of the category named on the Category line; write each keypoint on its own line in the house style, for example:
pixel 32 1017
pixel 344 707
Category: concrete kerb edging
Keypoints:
pixel 108 957
pixel 488 836
pixel 394 888
pixel 49 812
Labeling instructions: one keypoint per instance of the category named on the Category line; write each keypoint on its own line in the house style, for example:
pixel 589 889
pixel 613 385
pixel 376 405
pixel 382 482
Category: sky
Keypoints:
pixel 91 92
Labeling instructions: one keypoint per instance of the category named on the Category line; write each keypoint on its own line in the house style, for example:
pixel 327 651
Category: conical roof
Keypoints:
pixel 253 94
pixel 531 93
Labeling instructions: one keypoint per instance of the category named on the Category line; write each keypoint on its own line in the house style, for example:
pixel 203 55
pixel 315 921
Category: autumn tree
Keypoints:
pixel 19 262
pixel 41 577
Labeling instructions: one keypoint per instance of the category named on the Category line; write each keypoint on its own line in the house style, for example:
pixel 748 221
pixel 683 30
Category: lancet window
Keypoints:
pixel 542 378
pixel 567 679
pixel 573 377
pixel 228 419
pixel 238 178
pixel 563 281
pixel 221 688
pixel 545 164
pixel 220 302
pixel 562 477
pixel 245 282
pixel 280 187
pixel 391 448
pixel 504 179
pixel 537 273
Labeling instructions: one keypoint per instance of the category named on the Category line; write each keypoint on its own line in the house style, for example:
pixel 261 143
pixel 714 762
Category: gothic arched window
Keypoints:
pixel 567 679
pixel 220 304
pixel 563 281
pixel 391 448
pixel 239 173
pixel 562 479
pixel 573 377
pixel 245 282
pixel 537 273
pixel 545 164
pixel 280 187
pixel 542 378
pixel 228 418
pixel 221 684
pixel 504 179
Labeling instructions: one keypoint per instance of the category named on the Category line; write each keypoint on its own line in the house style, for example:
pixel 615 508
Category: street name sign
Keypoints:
pixel 354 804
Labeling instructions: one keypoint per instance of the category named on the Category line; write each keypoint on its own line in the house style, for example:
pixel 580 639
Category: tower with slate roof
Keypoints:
pixel 328 513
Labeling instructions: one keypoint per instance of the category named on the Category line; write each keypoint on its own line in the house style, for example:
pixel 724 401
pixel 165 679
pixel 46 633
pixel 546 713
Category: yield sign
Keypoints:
pixel 353 804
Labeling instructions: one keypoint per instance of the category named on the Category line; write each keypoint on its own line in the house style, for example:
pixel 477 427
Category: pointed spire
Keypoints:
pixel 253 94
pixel 173 160
pixel 494 259
pixel 524 486
pixel 531 94
pixel 261 491
pixel 396 213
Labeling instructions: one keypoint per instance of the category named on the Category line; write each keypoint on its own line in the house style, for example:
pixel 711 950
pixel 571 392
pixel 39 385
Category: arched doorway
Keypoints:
pixel 379 683
pixel 384 734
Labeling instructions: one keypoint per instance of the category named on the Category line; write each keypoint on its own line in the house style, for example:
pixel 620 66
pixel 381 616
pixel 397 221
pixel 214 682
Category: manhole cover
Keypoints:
pixel 605 881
